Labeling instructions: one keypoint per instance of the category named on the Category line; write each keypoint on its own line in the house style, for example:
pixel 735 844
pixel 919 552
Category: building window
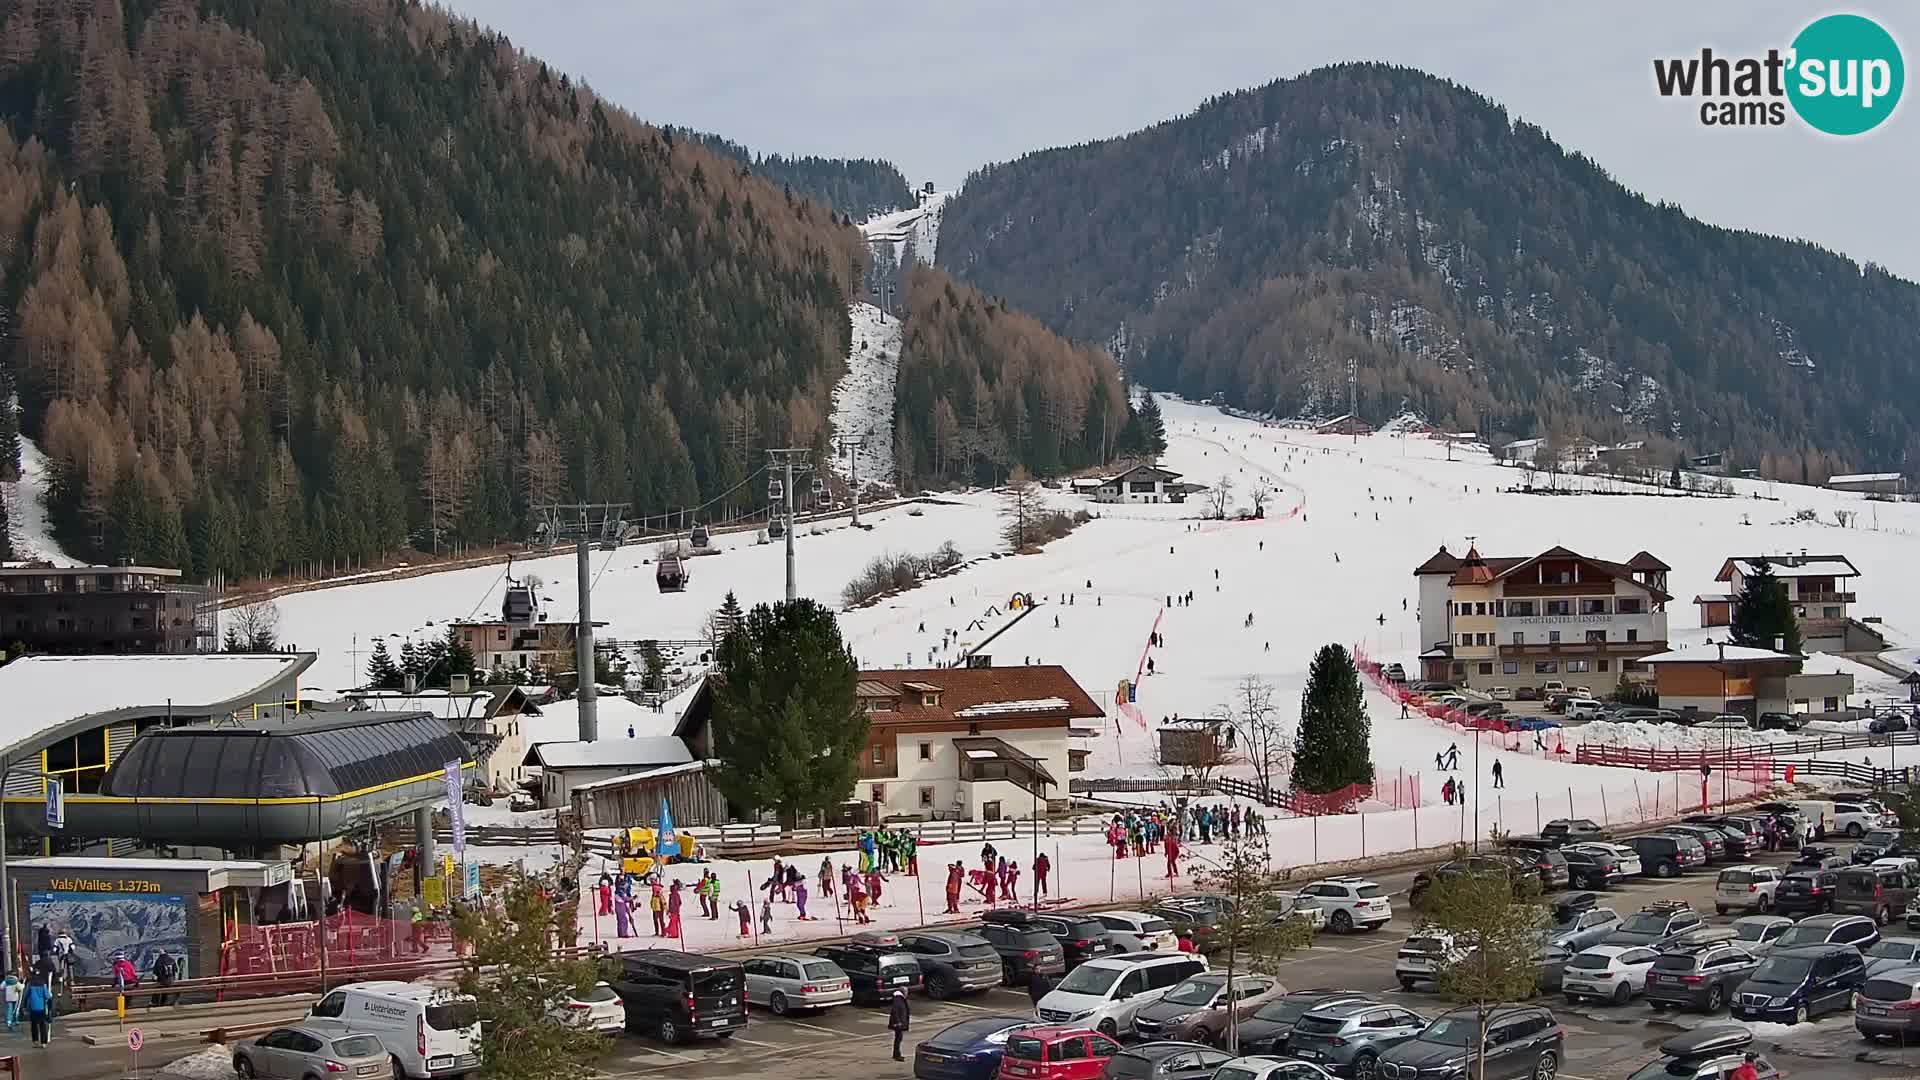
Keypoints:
pixel 1596 637
pixel 926 751
pixel 1459 671
pixel 1519 637
pixel 1466 640
pixel 1482 639
pixel 1576 667
pixel 879 755
pixel 1546 667
pixel 1553 637
pixel 1479 609
pixel 1593 606
pixel 926 798
pixel 1486 669
pixel 1628 605
pixel 1633 635
pixel 1520 609
pixel 1829 612
pixel 1832 704
pixel 500 633
pixel 1559 607
pixel 1511 667
pixel 1499 608
pixel 1463 609
pixel 877 793
pixel 929 700
pixel 1604 664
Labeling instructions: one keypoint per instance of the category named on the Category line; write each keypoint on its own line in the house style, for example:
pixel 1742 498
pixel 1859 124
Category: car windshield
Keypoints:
pixel 1368 892
pixel 1155 926
pixel 1783 969
pixel 1887 990
pixel 1750 931
pixel 1234 1072
pixel 354 1046
pixel 1898 950
pixel 1591 962
pixel 1451 1031
pixel 1089 979
pixel 820 971
pixel 979 951
pixel 452 1016
pixel 1569 921
pixel 1737 877
pixel 1283 1010
pixel 1194 992
pixel 1803 935
pixel 724 980
pixel 1645 924
pixel 600 992
pixel 1129 1065
pixel 1025 1047
pixel 1879 838
pixel 1674 962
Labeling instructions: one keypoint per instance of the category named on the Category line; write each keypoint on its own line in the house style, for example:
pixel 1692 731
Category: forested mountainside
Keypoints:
pixel 982 388
pixel 858 188
pixel 1474 270
pixel 312 280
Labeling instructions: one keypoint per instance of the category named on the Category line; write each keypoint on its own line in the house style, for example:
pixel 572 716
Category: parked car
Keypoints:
pixel 1394 673
pixel 1591 867
pixel 1749 888
pixel 1779 721
pixel 1272 1024
pixel 1888 1006
pixel 1525 1040
pixel 1725 722
pixel 1431 686
pixel 1887 723
pixel 1166 1061
pixel 1082 937
pixel 1352 903
pixel 1137 931
pixel 1545 860
pixel 1270 1068
pixel 1197 924
pixel 1423 956
pixel 1105 993
pixel 1655 924
pixel 1806 892
pixel 1796 984
pixel 1609 973
pixel 968 1050
pixel 1666 855
pixel 1891 952
pixel 678 996
pixel 1056 1053
pixel 1583 708
pixel 953 963
pixel 1855 930
pixel 1198 1009
pixel 1878 892
pixel 1757 933
pixel 1711 839
pixel 874 972
pixel 1704 977
pixel 1281 906
pixel 785 982
pixel 1024 948
pixel 1625 857
pixel 1858 819
pixel 1577 924
pixel 1501 693
pixel 597 1008
pixel 1575 831
pixel 1705 1053
pixel 1349 1040
pixel 1884 844
pixel 294 1053
pixel 1526 693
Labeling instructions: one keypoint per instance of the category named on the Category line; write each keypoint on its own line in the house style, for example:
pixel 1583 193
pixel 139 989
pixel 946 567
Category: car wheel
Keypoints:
pixel 1766 903
pixel 1657 1006
pixel 1622 994
pixel 1854 830
pixel 1547 1067
pixel 1666 869
pixel 669 1031
pixel 1342 923
pixel 1573 999
pixel 1799 1014
pixel 399 1071
pixel 1719 909
pixel 1880 917
pixel 1202 1036
pixel 1716 997
pixel 939 987
pixel 1407 985
pixel 777 1001
pixel 1107 1028
pixel 243 1065
pixel 1007 975
pixel 1366 1067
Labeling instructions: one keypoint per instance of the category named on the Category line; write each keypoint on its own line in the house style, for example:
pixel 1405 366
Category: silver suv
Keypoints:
pixel 1349 1039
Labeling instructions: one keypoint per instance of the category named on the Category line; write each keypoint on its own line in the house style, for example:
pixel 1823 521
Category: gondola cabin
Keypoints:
pixel 671 574
pixel 699 538
pixel 776 530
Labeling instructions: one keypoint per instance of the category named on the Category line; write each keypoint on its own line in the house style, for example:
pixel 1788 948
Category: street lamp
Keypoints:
pixel 1726 733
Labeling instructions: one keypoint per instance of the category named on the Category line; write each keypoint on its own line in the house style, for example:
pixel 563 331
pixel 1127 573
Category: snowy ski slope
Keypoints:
pixel 863 401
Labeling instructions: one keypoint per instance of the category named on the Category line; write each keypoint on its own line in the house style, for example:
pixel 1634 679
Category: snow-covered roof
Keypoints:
pixel 1522 443
pixel 43 692
pixel 610 753
pixel 1865 478
pixel 994 708
pixel 1788 566
pixel 643 774
pixel 1710 654
pixel 559 721
pixel 1714 598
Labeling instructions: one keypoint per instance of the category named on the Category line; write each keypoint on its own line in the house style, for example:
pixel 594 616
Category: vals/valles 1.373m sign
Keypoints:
pixel 1842 75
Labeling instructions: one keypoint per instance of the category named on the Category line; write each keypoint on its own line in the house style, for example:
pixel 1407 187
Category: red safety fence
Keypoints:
pixel 1549 740
pixel 347 939
pixel 1641 757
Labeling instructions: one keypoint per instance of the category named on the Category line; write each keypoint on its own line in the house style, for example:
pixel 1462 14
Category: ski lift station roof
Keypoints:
pixel 52 697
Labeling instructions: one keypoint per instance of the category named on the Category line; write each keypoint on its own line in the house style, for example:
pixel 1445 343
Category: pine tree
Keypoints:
pixel 1153 427
pixel 786 725
pixel 382 672
pixel 1334 747
pixel 412 662
pixel 458 657
pixel 729 615
pixel 1762 612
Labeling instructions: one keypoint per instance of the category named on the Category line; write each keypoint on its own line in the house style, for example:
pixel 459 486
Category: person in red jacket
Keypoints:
pixel 1041 864
pixel 1173 855
pixel 1186 943
pixel 1745 1070
pixel 955 874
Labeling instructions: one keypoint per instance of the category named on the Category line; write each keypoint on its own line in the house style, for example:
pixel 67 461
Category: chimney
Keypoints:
pixel 457 684
pixel 1779 643
pixel 411 683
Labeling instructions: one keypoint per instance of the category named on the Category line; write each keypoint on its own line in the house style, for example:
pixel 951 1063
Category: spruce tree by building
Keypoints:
pixel 382 672
pixel 1763 613
pixel 1335 747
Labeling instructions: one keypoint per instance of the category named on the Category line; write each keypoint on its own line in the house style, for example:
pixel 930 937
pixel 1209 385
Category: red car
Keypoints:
pixel 1055 1053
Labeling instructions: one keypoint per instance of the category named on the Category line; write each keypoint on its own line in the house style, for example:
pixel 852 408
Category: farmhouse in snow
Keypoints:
pixel 1143 484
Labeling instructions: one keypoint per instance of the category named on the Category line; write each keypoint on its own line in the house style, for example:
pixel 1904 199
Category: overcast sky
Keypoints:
pixel 942 88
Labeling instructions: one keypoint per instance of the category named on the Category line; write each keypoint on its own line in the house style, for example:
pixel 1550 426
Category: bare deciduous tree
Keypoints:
pixel 1019 505
pixel 1220 496
pixel 252 628
pixel 1260 493
pixel 1260 735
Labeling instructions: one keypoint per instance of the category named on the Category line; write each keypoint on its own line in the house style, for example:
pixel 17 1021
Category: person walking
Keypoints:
pixel 1039 985
pixel 899 1018
pixel 165 969
pixel 745 912
pixel 1041 864
pixel 1499 775
pixel 673 911
pixel 657 903
pixel 1173 855
pixel 800 900
pixel 39 1001
pixel 12 990
pixel 826 877
pixel 956 872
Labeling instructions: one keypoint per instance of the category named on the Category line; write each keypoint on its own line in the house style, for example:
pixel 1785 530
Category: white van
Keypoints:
pixel 1585 708
pixel 1137 931
pixel 430 1032
pixel 1103 994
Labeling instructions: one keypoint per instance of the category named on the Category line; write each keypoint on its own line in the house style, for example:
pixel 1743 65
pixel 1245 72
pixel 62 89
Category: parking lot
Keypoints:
pixel 1602 1042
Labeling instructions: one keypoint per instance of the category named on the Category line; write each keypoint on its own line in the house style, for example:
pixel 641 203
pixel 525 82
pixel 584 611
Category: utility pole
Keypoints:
pixel 790 460
pixel 584 522
pixel 851 447
pixel 1353 399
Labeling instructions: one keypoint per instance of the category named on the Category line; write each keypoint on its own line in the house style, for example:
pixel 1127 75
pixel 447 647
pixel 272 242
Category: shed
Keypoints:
pixel 568 765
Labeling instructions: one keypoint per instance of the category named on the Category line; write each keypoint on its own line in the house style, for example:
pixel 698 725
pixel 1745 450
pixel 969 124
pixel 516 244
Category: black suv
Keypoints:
pixel 1543 856
pixel 1516 865
pixel 1806 892
pixel 1886 844
pixel 1271 1025
pixel 1574 831
pixel 679 996
pixel 1667 856
pixel 1797 984
pixel 1081 938
pixel 874 972
pixel 1590 867
pixel 953 963
pixel 1522 1040
pixel 1024 948
pixel 1704 977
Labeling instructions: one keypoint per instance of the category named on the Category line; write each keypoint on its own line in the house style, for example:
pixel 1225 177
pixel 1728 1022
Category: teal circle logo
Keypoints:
pixel 1846 76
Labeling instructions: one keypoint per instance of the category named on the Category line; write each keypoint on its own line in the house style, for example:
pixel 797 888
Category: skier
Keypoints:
pixel 1499 775
pixel 1453 757
pixel 955 873
pixel 1056 622
pixel 745 913
pixel 1041 864
pixel 1149 665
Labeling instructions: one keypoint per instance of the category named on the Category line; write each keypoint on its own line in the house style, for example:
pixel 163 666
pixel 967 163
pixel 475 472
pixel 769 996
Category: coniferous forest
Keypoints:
pixel 857 188
pixel 1473 269
pixel 302 283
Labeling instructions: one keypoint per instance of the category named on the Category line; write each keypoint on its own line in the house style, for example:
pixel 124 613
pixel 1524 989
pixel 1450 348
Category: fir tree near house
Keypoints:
pixel 382 672
pixel 786 725
pixel 1763 617
pixel 1334 746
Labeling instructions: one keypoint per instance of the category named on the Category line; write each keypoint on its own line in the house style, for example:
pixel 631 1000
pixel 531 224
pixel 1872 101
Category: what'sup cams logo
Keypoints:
pixel 1841 76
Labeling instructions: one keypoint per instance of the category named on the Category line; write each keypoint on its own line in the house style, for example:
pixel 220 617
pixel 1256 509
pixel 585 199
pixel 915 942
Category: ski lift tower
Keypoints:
pixel 789 461
pixel 849 447
pixel 584 523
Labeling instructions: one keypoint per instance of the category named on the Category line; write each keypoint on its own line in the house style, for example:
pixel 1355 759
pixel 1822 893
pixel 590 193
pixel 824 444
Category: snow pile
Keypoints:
pixel 207 1063
pixel 993 708
pixel 27 510
pixel 863 401
pixel 1672 736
